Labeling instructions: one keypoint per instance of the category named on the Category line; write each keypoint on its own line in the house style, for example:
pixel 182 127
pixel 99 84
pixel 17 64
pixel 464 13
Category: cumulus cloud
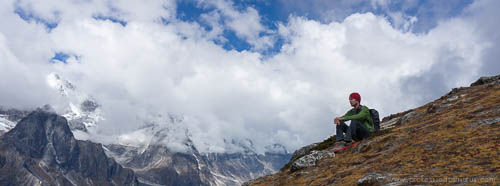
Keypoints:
pixel 137 10
pixel 22 47
pixel 231 98
pixel 246 24
pixel 480 16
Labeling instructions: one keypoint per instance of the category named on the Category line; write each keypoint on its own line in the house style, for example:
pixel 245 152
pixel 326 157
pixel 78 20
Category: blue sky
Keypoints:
pixel 272 13
pixel 428 13
pixel 265 71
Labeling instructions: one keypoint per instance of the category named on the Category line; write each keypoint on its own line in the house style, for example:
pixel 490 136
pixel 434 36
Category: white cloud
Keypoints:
pixel 140 10
pixel 125 10
pixel 22 46
pixel 290 98
pixel 480 16
pixel 245 23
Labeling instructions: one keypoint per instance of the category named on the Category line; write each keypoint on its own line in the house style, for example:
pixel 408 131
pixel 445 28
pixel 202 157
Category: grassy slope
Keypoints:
pixel 440 143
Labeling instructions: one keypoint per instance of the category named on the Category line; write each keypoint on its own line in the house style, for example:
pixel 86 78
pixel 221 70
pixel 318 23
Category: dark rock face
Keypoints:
pixel 32 134
pixel 89 106
pixel 41 150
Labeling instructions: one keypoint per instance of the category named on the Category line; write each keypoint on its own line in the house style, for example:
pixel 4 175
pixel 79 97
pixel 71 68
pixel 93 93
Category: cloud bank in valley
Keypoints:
pixel 138 58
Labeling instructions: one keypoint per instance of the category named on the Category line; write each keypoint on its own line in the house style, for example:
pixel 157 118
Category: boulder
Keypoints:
pixel 310 159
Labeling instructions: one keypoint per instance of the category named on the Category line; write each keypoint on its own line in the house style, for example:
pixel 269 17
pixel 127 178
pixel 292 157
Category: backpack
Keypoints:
pixel 375 119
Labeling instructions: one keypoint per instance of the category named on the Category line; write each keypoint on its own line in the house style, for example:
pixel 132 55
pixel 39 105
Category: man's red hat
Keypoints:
pixel 355 96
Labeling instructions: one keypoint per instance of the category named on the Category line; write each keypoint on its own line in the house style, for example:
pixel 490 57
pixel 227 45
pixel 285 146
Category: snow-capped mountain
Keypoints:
pixel 9 118
pixel 161 151
pixel 82 111
pixel 5 124
pixel 169 157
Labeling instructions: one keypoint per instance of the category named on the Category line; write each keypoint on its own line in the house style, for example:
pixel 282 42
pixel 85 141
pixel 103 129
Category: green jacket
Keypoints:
pixel 363 116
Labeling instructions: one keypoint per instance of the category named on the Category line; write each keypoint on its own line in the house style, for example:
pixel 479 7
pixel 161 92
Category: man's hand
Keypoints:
pixel 337 120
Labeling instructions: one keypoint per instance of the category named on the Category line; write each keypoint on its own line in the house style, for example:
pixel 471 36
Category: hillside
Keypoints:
pixel 452 140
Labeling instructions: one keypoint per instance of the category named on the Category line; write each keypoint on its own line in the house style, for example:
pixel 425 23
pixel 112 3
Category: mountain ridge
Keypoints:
pixel 41 150
pixel 452 140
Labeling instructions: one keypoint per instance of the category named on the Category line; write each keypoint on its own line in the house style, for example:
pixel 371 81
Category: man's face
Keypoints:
pixel 353 102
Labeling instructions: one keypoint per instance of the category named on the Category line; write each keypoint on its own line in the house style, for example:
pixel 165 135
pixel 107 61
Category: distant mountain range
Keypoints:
pixel 153 162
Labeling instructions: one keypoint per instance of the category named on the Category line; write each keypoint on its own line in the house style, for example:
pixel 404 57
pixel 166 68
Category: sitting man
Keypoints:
pixel 361 122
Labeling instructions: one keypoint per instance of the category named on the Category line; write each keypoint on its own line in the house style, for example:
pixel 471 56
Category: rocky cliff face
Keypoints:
pixel 41 150
pixel 159 165
pixel 452 140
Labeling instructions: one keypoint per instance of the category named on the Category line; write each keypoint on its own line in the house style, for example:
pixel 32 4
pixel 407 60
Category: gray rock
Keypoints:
pixel 409 117
pixel 303 151
pixel 487 80
pixel 487 121
pixel 310 159
pixel 402 118
pixel 372 179
pixel 456 90
pixel 386 179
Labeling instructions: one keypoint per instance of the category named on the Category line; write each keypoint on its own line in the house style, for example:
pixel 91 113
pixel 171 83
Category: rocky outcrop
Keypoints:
pixel 41 150
pixel 303 151
pixel 372 179
pixel 493 80
pixel 311 159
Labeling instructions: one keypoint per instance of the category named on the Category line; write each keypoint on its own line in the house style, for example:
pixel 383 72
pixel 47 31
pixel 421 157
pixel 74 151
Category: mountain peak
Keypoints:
pixel 63 86
pixel 32 134
pixel 83 112
pixel 41 149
